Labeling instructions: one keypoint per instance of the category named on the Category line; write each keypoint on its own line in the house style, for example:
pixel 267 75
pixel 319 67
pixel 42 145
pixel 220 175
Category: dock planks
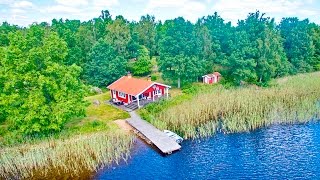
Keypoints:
pixel 164 143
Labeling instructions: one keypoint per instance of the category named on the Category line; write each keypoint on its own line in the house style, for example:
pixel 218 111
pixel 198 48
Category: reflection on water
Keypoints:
pixel 278 152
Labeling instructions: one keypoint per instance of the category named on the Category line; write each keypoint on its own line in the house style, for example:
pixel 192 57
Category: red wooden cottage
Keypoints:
pixel 211 78
pixel 129 90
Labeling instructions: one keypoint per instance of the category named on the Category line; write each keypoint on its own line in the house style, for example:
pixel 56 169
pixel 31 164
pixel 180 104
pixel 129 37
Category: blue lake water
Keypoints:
pixel 277 152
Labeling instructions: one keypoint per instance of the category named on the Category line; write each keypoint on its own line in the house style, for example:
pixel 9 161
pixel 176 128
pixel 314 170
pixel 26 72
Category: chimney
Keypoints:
pixel 129 74
pixel 149 78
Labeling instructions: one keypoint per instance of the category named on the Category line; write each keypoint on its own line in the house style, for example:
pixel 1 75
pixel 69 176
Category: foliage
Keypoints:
pixel 118 35
pixel 145 31
pixel 154 77
pixel 5 29
pixel 258 55
pixel 40 94
pixel 104 66
pixel 142 66
pixel 298 43
pixel 42 65
pixel 179 60
pixel 315 32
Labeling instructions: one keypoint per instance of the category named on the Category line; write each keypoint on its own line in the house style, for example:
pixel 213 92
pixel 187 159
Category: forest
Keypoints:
pixel 46 68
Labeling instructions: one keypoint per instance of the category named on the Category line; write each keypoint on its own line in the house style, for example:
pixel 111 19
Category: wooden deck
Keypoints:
pixel 164 143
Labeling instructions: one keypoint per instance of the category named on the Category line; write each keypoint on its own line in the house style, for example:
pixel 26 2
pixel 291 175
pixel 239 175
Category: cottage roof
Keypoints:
pixel 131 85
pixel 215 74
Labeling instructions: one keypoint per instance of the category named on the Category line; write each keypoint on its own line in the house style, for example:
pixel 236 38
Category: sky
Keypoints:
pixel 25 12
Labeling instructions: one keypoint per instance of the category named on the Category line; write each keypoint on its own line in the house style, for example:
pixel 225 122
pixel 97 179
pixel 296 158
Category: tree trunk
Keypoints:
pixel 179 82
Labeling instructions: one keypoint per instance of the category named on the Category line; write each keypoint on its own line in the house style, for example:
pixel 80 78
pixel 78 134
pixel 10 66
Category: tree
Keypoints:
pixel 146 33
pixel 40 94
pixel 142 66
pixel 220 34
pixel 99 25
pixel 298 43
pixel 67 31
pixel 5 29
pixel 2 81
pixel 179 52
pixel 118 35
pixel 315 33
pixel 105 65
pixel 257 54
pixel 85 41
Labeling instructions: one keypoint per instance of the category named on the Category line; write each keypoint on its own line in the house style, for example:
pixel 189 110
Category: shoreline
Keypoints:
pixel 122 124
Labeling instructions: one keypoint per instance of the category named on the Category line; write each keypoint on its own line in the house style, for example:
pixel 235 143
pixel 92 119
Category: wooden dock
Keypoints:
pixel 158 138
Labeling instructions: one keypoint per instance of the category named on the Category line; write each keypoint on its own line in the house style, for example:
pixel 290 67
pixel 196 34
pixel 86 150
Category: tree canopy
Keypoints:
pixel 44 67
pixel 104 66
pixel 39 92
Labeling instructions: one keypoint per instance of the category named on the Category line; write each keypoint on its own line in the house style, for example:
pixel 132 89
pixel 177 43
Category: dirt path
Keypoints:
pixel 123 125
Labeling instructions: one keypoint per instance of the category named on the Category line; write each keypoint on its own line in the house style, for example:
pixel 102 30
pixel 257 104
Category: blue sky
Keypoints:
pixel 25 12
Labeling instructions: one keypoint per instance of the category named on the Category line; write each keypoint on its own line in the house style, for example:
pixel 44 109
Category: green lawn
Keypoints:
pixel 99 117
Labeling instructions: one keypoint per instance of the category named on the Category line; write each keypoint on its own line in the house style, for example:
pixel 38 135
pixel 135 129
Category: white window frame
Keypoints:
pixel 121 94
pixel 158 92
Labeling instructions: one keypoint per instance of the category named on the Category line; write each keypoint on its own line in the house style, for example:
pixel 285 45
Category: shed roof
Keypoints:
pixel 131 85
pixel 213 74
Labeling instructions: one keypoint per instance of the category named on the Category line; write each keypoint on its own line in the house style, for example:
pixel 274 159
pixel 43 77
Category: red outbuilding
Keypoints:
pixel 129 90
pixel 211 78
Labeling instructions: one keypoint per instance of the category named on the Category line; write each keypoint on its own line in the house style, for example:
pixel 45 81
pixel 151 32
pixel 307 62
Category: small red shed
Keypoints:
pixel 211 78
pixel 128 90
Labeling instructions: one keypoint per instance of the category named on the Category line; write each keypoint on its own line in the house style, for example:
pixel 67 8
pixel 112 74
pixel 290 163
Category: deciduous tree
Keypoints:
pixel 40 94
pixel 105 65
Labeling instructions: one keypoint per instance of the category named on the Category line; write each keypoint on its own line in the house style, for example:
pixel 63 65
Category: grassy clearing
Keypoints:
pixel 205 109
pixel 98 117
pixel 75 157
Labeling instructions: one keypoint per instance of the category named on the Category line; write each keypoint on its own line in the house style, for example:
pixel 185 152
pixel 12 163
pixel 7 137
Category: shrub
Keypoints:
pixel 154 77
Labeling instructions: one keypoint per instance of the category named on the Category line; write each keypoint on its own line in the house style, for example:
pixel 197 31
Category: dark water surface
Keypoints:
pixel 277 152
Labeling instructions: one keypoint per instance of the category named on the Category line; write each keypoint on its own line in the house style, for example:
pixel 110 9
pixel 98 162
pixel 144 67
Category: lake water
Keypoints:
pixel 277 152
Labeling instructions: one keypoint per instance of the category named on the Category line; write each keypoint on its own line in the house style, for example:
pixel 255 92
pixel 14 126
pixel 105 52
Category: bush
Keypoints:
pixel 154 77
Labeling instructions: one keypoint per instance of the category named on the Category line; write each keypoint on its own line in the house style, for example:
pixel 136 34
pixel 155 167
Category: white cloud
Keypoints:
pixel 5 2
pixel 192 10
pixel 232 10
pixel 105 3
pixel 72 3
pixel 14 11
pixel 22 4
pixel 189 9
pixel 156 4
pixel 61 9
pixel 18 11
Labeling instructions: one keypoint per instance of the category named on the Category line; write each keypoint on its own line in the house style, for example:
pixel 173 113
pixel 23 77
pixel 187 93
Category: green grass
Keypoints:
pixel 98 117
pixel 202 110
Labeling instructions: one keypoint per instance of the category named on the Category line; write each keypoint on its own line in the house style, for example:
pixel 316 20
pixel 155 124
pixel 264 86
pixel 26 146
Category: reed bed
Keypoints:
pixel 293 100
pixel 65 158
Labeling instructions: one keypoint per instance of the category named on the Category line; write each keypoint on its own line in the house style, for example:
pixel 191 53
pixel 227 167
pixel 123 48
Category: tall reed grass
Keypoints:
pixel 64 158
pixel 293 100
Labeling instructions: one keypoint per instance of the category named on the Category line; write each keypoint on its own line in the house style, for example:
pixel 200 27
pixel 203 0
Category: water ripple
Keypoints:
pixel 278 152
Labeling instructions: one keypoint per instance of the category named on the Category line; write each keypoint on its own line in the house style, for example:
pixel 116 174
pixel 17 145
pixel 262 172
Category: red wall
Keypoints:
pixel 125 100
pixel 145 93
